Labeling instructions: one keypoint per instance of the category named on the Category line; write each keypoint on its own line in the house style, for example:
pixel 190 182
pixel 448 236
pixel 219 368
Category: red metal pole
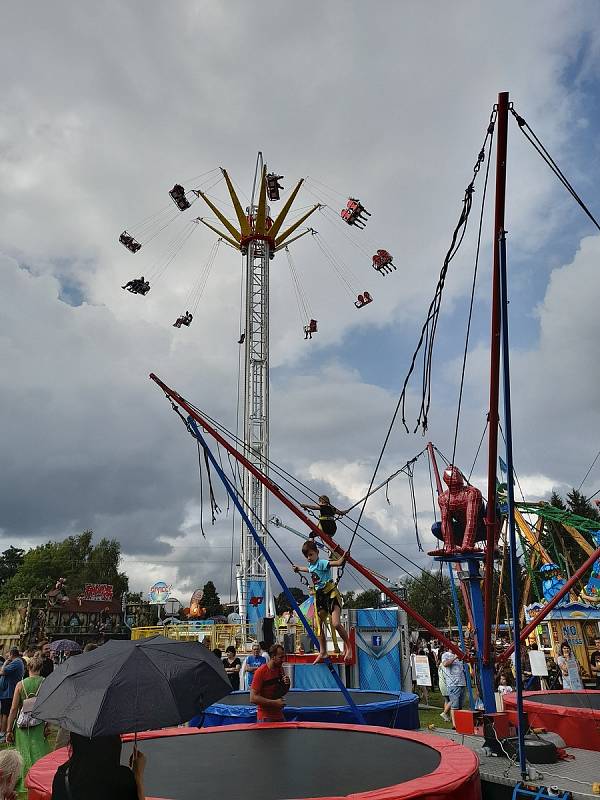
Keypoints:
pixel 493 418
pixel 274 489
pixel 551 603
pixel 436 471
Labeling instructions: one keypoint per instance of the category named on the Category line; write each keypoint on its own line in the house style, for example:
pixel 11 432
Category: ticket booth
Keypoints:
pixel 575 623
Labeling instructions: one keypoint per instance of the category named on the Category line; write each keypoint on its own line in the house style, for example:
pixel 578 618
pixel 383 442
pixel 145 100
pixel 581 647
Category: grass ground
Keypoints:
pixel 430 714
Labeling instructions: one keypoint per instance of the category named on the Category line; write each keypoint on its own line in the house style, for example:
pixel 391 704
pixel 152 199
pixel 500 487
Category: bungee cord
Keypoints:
pixel 307 492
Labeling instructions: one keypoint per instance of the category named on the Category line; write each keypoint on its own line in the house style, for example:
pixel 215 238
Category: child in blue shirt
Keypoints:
pixel 328 600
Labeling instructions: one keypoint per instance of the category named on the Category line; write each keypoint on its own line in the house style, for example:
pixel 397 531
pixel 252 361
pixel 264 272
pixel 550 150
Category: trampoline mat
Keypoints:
pixel 275 764
pixel 587 700
pixel 299 699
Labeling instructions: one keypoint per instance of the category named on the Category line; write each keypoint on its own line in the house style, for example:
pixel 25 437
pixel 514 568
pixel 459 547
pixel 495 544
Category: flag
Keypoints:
pixel 503 467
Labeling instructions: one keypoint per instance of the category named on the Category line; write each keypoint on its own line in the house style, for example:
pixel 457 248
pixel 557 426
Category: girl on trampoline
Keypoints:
pixel 327 515
pixel 328 600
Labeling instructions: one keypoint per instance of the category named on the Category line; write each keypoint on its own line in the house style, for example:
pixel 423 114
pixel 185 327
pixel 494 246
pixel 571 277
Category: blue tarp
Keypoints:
pixel 401 710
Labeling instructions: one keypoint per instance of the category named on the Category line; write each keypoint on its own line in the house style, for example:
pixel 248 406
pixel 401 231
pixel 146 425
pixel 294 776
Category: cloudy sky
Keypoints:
pixel 106 106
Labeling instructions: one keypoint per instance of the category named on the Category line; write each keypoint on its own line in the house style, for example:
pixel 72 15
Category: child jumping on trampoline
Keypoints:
pixel 327 515
pixel 328 600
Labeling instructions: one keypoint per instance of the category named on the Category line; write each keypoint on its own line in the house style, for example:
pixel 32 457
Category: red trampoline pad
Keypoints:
pixel 573 715
pixel 303 760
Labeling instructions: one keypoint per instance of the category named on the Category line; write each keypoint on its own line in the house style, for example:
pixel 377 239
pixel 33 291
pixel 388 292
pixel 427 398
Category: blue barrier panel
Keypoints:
pixel 378 648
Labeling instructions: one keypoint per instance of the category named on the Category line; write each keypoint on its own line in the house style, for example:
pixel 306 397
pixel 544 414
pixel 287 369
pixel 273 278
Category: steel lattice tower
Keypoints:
pixel 258 237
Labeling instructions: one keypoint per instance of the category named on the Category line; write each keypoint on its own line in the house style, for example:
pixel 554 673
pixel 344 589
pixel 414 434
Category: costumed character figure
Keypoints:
pixel 196 610
pixel 552 582
pixel 58 595
pixel 591 591
pixel 463 515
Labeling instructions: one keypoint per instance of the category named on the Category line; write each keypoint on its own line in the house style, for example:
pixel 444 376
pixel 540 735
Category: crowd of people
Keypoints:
pixel 21 676
pixel 94 765
pixel 449 677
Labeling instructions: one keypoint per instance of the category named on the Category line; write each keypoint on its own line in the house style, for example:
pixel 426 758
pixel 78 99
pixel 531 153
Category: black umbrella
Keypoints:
pixel 127 686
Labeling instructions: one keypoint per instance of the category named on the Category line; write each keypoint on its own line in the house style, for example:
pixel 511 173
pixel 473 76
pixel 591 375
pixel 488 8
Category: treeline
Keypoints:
pixel 76 559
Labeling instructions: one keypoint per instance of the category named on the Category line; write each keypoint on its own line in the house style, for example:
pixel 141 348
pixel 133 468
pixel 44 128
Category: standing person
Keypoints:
pixel 264 651
pixel 595 661
pixel 47 662
pixel 327 515
pixel 252 663
pixel 94 771
pixel 433 669
pixel 455 680
pixel 12 672
pixel 269 685
pixel 29 735
pixel 328 600
pixel 570 670
pixel 232 666
pixel 445 715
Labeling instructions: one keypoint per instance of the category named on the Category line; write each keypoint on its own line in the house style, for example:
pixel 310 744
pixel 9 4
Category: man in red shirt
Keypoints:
pixel 268 686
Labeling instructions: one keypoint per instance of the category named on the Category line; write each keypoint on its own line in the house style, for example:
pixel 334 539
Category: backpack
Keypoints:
pixel 25 718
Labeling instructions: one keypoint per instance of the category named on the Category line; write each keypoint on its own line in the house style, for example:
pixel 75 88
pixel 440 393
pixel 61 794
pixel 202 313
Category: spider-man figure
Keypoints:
pixel 462 512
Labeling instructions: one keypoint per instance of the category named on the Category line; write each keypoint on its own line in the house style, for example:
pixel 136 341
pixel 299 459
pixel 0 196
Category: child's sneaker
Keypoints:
pixel 445 717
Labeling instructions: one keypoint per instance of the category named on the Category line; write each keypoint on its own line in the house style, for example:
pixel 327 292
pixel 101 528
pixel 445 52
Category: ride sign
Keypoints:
pixel 98 591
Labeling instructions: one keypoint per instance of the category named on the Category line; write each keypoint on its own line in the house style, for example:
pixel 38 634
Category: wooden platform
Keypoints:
pixel 499 776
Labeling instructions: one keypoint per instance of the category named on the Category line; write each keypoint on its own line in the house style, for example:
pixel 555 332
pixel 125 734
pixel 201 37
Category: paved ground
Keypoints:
pixel 575 775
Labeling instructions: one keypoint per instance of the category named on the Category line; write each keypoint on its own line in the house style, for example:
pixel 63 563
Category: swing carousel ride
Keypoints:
pixel 479 539
pixel 258 236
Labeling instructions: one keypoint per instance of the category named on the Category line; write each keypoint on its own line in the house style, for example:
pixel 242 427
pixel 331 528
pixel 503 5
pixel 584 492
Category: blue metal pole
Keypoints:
pixel 290 597
pixel 486 670
pixel 514 564
pixel 461 635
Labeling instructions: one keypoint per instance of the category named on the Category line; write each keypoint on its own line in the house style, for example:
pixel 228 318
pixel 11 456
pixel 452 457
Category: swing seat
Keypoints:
pixel 129 242
pixel 363 300
pixel 273 186
pixel 137 286
pixel 177 194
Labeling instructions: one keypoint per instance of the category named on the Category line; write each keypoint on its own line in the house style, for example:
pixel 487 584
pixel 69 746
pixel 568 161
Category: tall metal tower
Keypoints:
pixel 259 238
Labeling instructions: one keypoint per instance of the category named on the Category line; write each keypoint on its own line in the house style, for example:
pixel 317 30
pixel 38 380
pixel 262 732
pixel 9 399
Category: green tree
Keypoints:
pixel 75 558
pixel 431 596
pixel 348 599
pixel 283 604
pixel 580 505
pixel 211 600
pixel 10 561
pixel 370 598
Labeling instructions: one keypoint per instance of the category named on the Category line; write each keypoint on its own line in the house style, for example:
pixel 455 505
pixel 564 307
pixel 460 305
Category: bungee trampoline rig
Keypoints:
pixel 465 518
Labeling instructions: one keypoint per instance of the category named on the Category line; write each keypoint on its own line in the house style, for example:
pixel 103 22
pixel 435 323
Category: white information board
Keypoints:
pixel 574 677
pixel 537 660
pixel 422 672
